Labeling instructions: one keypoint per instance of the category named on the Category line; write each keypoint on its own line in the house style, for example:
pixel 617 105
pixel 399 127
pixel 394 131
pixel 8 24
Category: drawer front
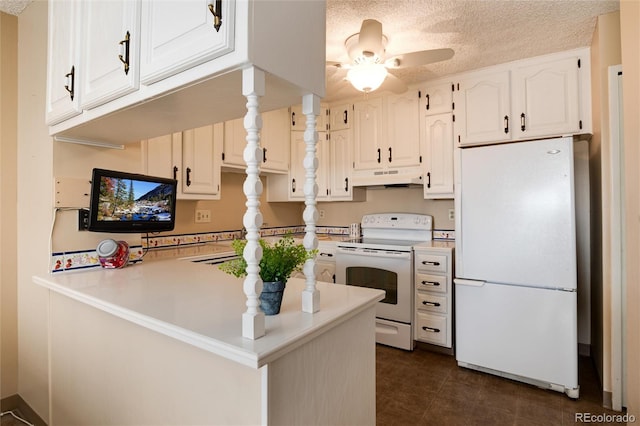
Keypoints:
pixel 431 262
pixel 429 282
pixel 431 302
pixel 431 328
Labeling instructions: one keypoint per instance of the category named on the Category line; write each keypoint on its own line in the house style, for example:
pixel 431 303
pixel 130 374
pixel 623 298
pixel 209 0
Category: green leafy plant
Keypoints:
pixel 278 261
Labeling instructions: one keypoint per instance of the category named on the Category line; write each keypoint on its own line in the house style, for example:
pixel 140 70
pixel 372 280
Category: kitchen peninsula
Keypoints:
pixel 160 342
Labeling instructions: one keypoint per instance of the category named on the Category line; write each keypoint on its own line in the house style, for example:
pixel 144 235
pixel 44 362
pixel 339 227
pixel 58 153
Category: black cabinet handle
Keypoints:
pixel 427 303
pixel 125 59
pixel 522 122
pixel 188 176
pixel 434 330
pixel 428 102
pixel 506 124
pixel 217 13
pixel 433 283
pixel 345 119
pixel 293 119
pixel 390 158
pixel 346 184
pixel 379 158
pixel 175 172
pixel 326 254
pixel 428 179
pixel 71 80
pixel 427 262
pixel 293 185
pixel 264 155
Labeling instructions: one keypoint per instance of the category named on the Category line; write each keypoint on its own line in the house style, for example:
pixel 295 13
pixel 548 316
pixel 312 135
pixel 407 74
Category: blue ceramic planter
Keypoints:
pixel 271 297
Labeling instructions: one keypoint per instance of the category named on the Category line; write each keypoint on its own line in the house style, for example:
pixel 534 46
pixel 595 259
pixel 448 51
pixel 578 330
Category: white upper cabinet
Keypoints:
pixel 340 165
pixel 182 34
pixel 402 130
pixel 187 62
pixel 436 98
pixel 274 140
pixel 437 134
pixel 546 99
pixel 482 108
pixel 545 96
pixel 368 122
pixel 110 50
pixel 63 57
pixel 191 157
pixel 340 117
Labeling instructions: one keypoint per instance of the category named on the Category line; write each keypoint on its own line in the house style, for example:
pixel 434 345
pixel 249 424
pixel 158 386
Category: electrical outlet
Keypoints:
pixel 203 216
pixel 452 214
pixel 321 213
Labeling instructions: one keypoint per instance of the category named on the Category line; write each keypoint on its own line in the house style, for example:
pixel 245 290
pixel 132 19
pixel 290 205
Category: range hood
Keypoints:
pixel 393 177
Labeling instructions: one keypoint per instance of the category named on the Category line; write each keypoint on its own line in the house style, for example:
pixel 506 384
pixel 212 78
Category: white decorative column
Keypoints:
pixel 253 326
pixel 311 108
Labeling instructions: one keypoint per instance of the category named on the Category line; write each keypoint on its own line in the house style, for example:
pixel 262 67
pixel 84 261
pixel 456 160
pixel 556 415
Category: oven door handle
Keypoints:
pixel 361 252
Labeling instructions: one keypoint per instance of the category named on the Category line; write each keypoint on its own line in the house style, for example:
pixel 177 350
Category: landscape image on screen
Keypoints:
pixel 134 200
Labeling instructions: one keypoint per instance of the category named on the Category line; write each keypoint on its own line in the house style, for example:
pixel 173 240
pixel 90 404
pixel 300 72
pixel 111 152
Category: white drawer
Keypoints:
pixel 431 328
pixel 431 262
pixel 431 302
pixel 432 283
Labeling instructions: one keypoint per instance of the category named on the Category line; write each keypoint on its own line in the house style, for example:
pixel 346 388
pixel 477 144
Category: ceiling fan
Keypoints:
pixel 369 65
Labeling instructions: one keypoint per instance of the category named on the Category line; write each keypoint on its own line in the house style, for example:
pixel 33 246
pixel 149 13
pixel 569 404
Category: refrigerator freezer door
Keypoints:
pixel 517 214
pixel 523 331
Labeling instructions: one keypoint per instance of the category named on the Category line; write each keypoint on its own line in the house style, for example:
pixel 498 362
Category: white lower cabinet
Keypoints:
pixel 191 157
pixel 434 296
pixel 325 263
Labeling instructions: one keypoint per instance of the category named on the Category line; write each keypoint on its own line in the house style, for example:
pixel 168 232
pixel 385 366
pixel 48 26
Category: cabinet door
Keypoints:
pixel 340 180
pixel 63 61
pixel 275 140
pixel 546 100
pixel 111 35
pixel 438 142
pixel 367 134
pixel 326 271
pixel 482 109
pixel 436 99
pixel 340 117
pixel 200 170
pixel 402 130
pixel 234 143
pixel 296 172
pixel 162 156
pixel 180 35
pixel 323 173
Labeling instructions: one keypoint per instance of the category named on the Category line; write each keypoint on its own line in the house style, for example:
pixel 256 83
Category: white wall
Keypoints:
pixel 35 194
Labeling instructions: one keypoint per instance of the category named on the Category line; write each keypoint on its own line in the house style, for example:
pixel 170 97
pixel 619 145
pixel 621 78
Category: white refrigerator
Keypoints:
pixel 516 262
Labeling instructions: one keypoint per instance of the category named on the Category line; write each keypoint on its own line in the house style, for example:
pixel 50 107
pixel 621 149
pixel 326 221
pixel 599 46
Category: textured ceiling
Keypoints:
pixel 481 32
pixel 13 7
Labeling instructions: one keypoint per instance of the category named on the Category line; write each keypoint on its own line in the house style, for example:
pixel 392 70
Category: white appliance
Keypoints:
pixel 383 259
pixel 516 262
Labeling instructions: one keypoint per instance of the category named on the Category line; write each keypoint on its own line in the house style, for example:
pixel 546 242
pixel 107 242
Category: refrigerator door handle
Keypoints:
pixel 472 283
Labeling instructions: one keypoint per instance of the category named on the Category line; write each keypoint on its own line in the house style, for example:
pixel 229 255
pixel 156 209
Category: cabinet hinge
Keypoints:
pixel 580 124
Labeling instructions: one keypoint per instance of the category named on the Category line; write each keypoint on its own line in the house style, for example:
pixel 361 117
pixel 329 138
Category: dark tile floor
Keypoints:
pixel 428 388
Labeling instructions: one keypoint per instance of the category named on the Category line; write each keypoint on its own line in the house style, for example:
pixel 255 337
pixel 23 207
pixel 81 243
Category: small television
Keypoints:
pixel 128 202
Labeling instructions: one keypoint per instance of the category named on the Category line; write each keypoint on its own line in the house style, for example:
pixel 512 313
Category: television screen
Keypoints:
pixel 127 202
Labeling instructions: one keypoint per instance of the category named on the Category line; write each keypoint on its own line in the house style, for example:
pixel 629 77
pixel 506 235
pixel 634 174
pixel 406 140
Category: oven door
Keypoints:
pixel 387 270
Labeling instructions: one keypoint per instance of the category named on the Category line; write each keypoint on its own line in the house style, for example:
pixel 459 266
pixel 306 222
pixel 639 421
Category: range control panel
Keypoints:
pixel 398 221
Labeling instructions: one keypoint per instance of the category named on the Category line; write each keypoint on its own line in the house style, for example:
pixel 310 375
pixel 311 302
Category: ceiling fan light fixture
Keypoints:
pixel 367 77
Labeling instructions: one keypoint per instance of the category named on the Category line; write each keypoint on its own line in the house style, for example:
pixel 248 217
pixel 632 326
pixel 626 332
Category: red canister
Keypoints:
pixel 113 254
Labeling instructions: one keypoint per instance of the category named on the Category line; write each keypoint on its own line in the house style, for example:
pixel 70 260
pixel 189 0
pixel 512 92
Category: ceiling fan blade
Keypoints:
pixel 370 38
pixel 394 84
pixel 415 59
pixel 340 65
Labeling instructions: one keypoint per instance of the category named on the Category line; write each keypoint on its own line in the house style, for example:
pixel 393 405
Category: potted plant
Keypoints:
pixel 278 262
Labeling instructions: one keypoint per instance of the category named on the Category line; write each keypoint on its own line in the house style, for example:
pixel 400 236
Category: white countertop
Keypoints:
pixel 202 306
